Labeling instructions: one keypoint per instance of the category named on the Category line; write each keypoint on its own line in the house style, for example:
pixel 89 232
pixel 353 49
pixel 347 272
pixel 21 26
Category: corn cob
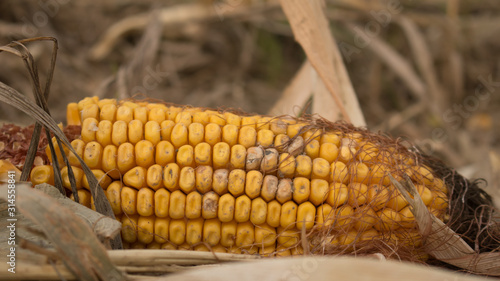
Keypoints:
pixel 177 177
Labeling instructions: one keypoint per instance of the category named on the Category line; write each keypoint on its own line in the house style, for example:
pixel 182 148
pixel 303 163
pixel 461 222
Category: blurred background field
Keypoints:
pixel 428 71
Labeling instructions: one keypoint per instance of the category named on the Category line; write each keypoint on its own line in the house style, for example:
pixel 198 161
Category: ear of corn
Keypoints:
pixel 178 177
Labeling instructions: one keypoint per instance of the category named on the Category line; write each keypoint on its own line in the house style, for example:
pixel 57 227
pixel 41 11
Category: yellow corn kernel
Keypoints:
pixel 57 151
pixel 319 191
pixel 153 245
pixel 103 134
pixel 210 204
pixel 245 234
pixel 258 212
pixel 103 179
pixel 306 215
pixel 249 121
pixel 154 177
pixel 135 131
pixel 269 187
pixel 113 193
pixel 265 235
pixel 273 213
pixel 295 129
pixel 157 114
pixel 109 164
pixel 230 134
pixel 155 105
pixel 228 233
pixel 125 159
pixel 407 218
pixel 187 179
pixel 84 197
pixel 162 202
pixel 301 189
pixel 343 216
pixel 140 114
pixel 145 202
pixel 388 220
pixel 104 102
pixel 184 117
pixel 320 169
pixel 92 155
pixel 129 200
pixel 119 134
pixel 171 176
pixel 379 174
pixel 152 132
pixel 212 232
pixel 339 172
pixel 236 182
pixel 221 155
pixel 232 119
pixel 396 201
pixel 359 172
pixel 220 181
pixel 253 184
pixel 265 138
pixel 422 175
pixel 129 228
pixel 177 205
pixel 73 114
pixel 213 134
pixel 284 192
pixel 238 157
pixel 204 175
pixel 172 111
pixel 196 133
pixel 136 177
pixel 358 194
pixel 242 207
pixel 269 163
pixel 226 208
pixel 85 101
pixel 247 136
pixel 185 156
pixel 328 151
pixel 177 231
pixel 166 128
pixel 144 153
pixel 108 112
pixel 338 194
pixel 288 214
pixel 194 231
pixel 218 119
pixel 439 201
pixel 281 142
pixel 324 215
pixel 78 145
pixel 263 123
pixel 330 137
pixel 378 196
pixel 201 117
pixel 165 153
pixel 179 135
pixel 145 229
pixel 288 237
pixel 282 252
pixel 202 154
pixel 312 149
pixel 286 166
pixel 346 153
pixel 365 218
pixel 42 174
pixel 124 113
pixel 168 246
pixel 313 134
pixel 303 166
pixel 90 111
pixel 425 194
pixel 89 128
pixel 161 230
